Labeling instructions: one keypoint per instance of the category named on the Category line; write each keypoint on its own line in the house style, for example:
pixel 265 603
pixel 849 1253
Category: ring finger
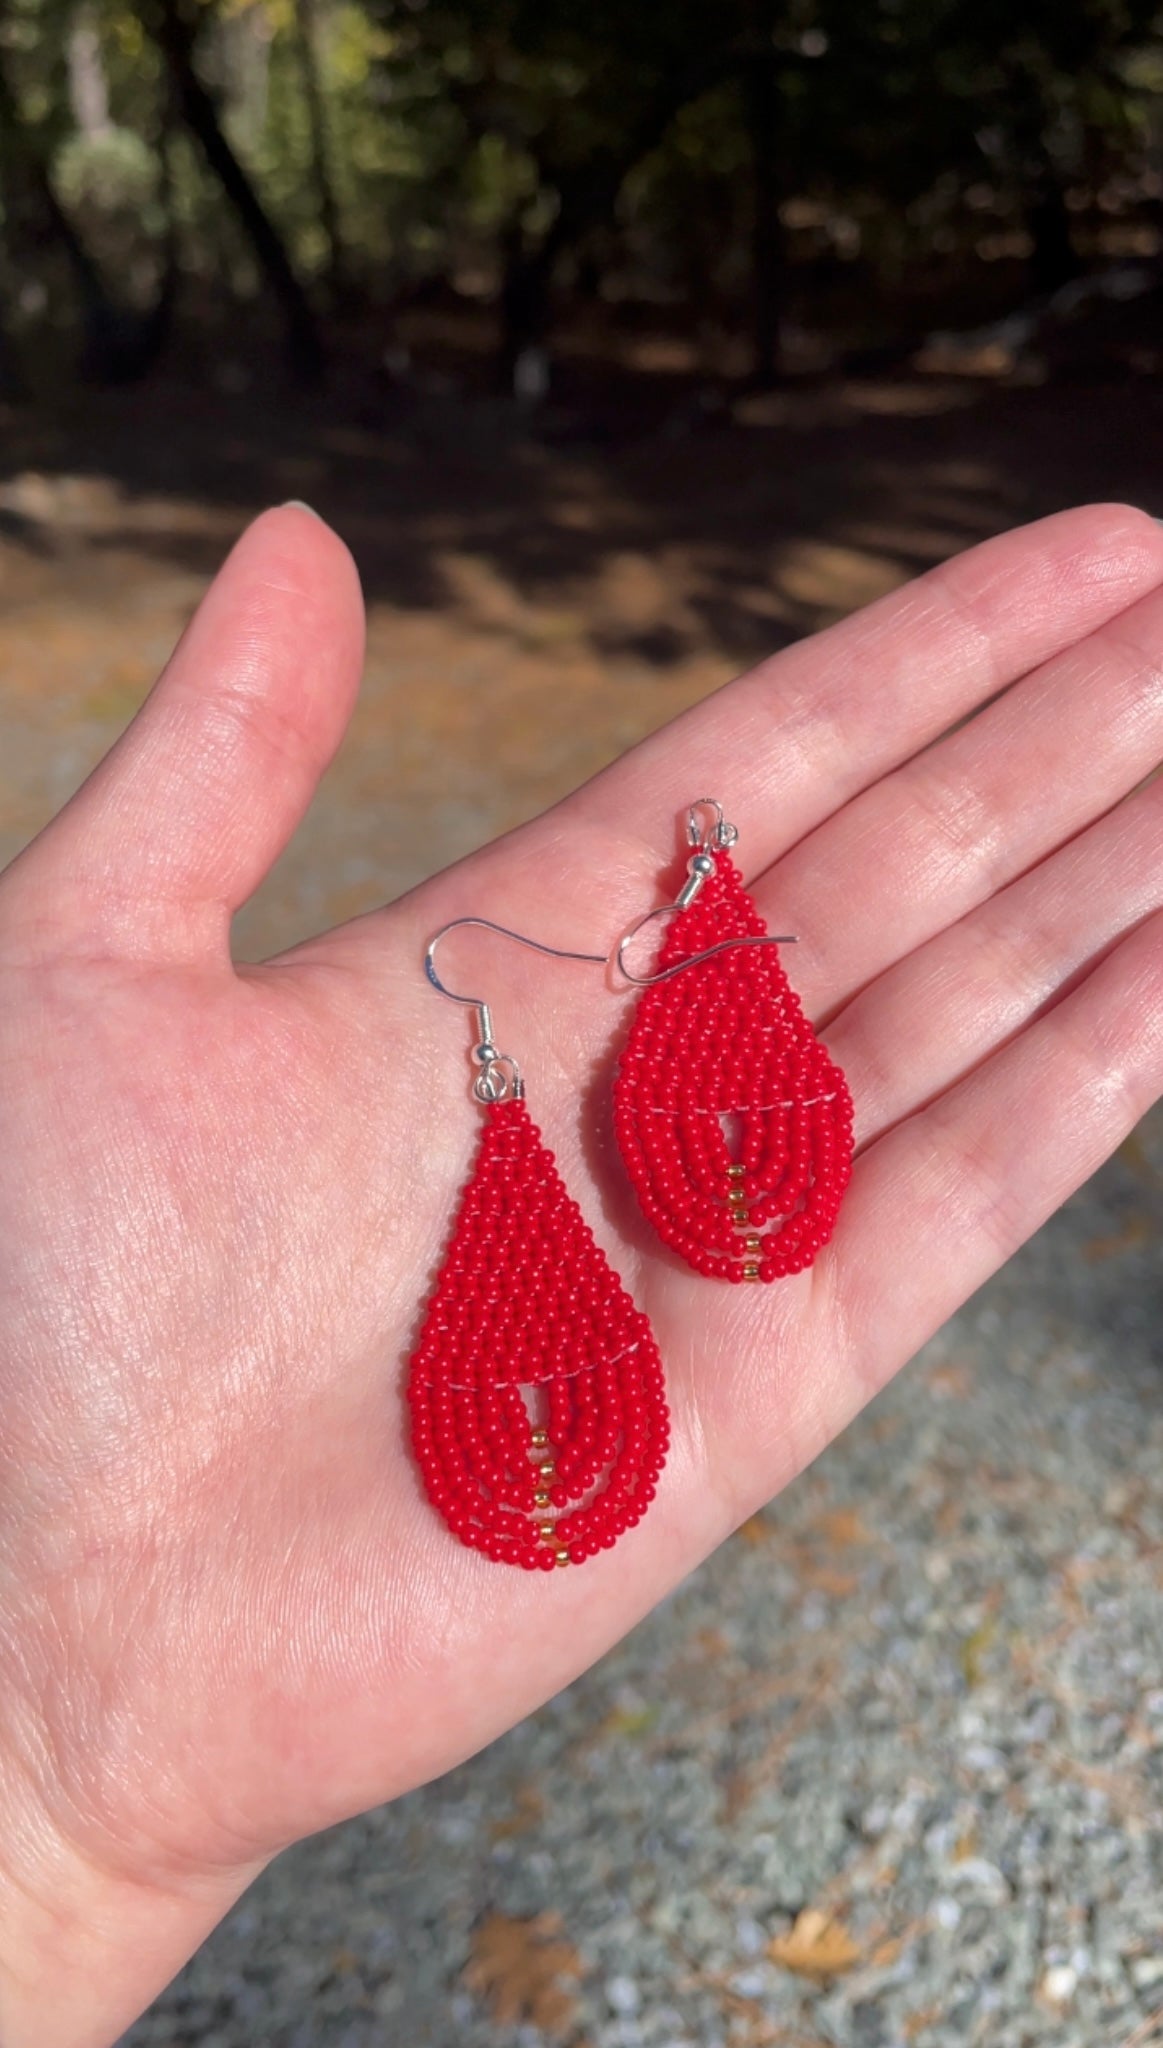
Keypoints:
pixel 940 1012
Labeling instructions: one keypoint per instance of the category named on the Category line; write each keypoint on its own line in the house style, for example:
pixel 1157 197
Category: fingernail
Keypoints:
pixel 301 505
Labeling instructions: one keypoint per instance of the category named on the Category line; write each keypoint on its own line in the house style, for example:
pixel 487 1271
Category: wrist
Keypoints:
pixel 99 1906
pixel 83 1950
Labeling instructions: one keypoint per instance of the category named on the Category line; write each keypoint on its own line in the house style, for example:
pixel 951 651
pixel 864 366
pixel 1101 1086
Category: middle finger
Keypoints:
pixel 928 843
pixel 936 1015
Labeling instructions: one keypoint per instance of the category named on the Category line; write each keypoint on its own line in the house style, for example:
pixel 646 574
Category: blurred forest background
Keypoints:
pixel 622 342
pixel 779 182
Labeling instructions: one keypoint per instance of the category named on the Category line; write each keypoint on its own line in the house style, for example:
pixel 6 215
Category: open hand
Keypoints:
pixel 228 1615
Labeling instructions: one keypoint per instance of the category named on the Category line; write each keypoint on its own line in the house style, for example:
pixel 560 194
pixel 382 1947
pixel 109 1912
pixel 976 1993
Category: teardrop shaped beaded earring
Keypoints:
pixel 526 1302
pixel 733 1121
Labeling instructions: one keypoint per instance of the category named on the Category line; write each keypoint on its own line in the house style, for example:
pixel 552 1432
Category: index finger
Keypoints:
pixel 789 742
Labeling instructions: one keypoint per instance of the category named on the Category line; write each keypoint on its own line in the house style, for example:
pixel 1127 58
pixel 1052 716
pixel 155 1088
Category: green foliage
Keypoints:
pixel 475 139
pixel 110 184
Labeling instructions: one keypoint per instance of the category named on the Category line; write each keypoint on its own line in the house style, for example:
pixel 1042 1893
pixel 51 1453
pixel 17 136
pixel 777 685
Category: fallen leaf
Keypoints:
pixel 949 1517
pixel 713 1643
pixel 883 1428
pixel 1135 1154
pixel 522 1967
pixel 836 1585
pixel 628 1721
pixel 887 1953
pixel 917 2022
pixel 974 1651
pixel 843 1527
pixel 528 1813
pixel 815 1946
pixel 1134 1231
pixel 951 1382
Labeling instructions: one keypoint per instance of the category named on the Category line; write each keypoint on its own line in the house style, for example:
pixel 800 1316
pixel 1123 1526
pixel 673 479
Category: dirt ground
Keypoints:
pixel 542 592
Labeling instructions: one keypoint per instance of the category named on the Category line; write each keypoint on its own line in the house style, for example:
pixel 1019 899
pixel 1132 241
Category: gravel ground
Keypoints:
pixel 886 1773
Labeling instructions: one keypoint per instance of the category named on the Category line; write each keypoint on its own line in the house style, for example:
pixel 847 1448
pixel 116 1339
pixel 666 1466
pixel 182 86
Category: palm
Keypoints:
pixel 228 1192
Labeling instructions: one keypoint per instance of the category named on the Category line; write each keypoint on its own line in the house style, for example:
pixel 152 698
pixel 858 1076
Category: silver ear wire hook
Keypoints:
pixel 691 959
pixel 701 866
pixel 720 834
pixel 500 1076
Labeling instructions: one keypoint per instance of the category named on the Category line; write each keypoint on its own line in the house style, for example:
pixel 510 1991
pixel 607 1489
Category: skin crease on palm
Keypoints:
pixel 228 1616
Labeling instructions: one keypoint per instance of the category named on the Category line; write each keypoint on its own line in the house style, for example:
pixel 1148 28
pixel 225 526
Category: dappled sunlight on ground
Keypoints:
pixel 541 593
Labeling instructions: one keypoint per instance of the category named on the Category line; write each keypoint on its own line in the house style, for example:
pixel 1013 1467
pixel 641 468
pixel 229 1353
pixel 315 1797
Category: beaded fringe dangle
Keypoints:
pixel 734 1123
pixel 538 1406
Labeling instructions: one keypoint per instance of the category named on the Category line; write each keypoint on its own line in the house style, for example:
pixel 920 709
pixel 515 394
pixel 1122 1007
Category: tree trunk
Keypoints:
pixel 587 197
pixel 120 343
pixel 88 88
pixel 34 209
pixel 197 109
pixel 306 39
pixel 1054 259
pixel 12 385
pixel 525 290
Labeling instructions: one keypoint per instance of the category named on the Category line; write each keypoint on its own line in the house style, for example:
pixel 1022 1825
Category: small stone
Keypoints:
pixel 982 1756
pixel 985 1878
pixel 623 2033
pixel 876 1820
pixel 622 1994
pixel 1060 1984
pixel 750 1938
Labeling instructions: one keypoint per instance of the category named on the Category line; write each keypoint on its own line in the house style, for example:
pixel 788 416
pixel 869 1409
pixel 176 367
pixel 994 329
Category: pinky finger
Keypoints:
pixel 943 1200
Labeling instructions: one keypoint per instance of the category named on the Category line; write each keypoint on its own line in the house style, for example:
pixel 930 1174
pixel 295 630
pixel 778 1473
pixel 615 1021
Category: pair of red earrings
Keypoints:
pixel 538 1403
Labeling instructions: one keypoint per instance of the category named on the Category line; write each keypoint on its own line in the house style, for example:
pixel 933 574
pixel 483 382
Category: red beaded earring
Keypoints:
pixel 539 1415
pixel 735 1125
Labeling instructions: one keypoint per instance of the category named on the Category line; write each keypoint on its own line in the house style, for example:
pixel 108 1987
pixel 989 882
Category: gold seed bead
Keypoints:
pixel 753 1246
pixel 751 1272
pixel 741 1218
pixel 547 1529
pixel 736 1194
pixel 548 1470
pixel 563 1557
pixel 736 1172
pixel 539 1439
pixel 542 1500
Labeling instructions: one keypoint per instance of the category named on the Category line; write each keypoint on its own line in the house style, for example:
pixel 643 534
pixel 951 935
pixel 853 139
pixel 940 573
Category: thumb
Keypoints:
pixel 184 816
